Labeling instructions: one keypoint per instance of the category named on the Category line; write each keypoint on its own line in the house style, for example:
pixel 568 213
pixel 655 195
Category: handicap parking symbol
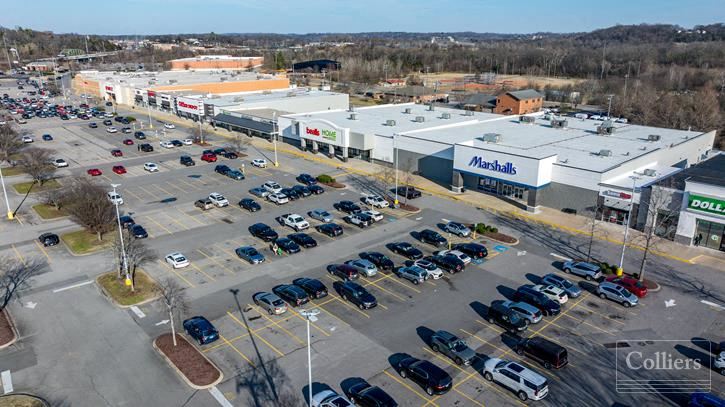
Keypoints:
pixel 500 248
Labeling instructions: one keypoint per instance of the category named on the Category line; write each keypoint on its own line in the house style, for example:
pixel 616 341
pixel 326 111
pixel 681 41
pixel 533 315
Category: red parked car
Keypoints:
pixel 117 153
pixel 128 142
pixel 632 284
pixel 119 169
pixel 94 172
pixel 208 157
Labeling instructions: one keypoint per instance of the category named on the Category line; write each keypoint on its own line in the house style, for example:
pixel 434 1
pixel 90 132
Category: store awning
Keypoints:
pixel 244 123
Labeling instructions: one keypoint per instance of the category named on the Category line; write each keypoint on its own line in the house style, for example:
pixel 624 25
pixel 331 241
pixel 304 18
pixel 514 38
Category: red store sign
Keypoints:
pixel 109 88
pixel 187 106
pixel 314 132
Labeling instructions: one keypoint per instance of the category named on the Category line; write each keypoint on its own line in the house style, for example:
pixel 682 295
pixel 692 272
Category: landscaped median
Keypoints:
pixel 22 400
pixel 493 234
pixel 8 335
pixel 329 181
pixel 12 171
pixel 195 368
pixel 23 187
pixel 82 242
pixel 145 288
pixel 48 212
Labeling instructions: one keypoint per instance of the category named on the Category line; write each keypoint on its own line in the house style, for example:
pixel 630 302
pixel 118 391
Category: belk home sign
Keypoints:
pixel 706 204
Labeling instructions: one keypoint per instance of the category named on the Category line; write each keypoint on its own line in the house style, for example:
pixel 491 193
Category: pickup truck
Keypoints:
pixel 294 221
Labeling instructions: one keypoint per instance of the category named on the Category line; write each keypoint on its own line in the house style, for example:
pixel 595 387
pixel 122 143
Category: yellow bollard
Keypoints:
pixel 128 282
pixel 10 215
pixel 620 271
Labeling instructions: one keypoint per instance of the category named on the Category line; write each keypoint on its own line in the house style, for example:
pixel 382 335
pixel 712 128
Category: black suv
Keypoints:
pixel 187 161
pixel 249 204
pixel 312 286
pixel 450 264
pixel 138 231
pixel 306 179
pixel 294 295
pixel 380 260
pixel 263 232
pixel 347 206
pixel 405 249
pixel 139 135
pixel 222 169
pixel 539 300
pixel 329 229
pixel 356 294
pixel 432 237
pixel 546 352
pixel 126 221
pixel 287 245
pixel 291 194
pixel 473 250
pixel 49 239
pixel 343 271
pixel 303 239
pixel 365 395
pixel 302 191
pixel 408 192
pixel 428 376
pixel 500 314
pixel 146 148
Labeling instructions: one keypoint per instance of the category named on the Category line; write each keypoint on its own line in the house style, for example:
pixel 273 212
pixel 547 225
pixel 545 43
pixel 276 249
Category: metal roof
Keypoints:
pixel 711 172
pixel 525 94
pixel 245 122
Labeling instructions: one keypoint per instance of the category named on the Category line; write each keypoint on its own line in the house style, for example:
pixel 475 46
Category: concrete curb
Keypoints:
pixel 42 401
pixel 13 328
pixel 180 373
pixel 113 301
pixel 499 241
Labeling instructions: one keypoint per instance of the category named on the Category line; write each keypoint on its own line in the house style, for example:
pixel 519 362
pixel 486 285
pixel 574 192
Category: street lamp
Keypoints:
pixel 629 220
pixel 5 192
pixel 120 236
pixel 274 137
pixel 395 151
pixel 310 316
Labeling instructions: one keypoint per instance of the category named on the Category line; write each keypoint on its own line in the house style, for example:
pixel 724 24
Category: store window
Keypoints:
pixel 666 224
pixel 487 184
pixel 710 235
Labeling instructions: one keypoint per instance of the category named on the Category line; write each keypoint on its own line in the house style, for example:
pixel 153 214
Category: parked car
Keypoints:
pixel 151 167
pixel 457 254
pixel 259 163
pixel 169 126
pixel 222 169
pixel 290 193
pixel 329 229
pixel 94 172
pixel 176 143
pixel 448 263
pixel 177 260
pixel 375 201
pixel 306 179
pixel 292 294
pixel 583 269
pixel 126 221
pixel 320 214
pixel 139 135
pixel 356 294
pixel 272 187
pixel 405 249
pixel 457 228
pixel 294 221
pixel 314 288
pixel 287 245
pixel 263 232
pixel 498 313
pixel 208 157
pixel 93 125
pixel 363 267
pixel 719 363
pixel 553 292
pixel 303 239
pixel 186 161
pixel 525 383
pixel 107 123
pixel 49 239
pixel 531 314
pixel 432 237
pixel 204 204
pixel 453 347
pixel 114 197
pixel 119 169
pixel 616 293
pixel 705 400
pixel 430 377
pixel 544 351
pixel 219 151
pixel 60 163
pixel 364 394
pixel 146 147
pixel 270 302
pixel 201 330
pixel 316 189
pixel 328 398
pixel 407 192
pixel 128 142
pixel 358 219
pixel 138 231
pixel 381 261
pixel 111 129
pixel 230 155
pixel 554 279
pixel 260 192
pixel 431 268
pixel 250 254
pixel 632 285
pixel 343 271
pixel 47 137
pixel 472 250
pixel 279 199
pixel 301 191
pixel 236 175
pixel 527 294
pixel 348 207
pixel 414 274
pixel 116 153
pixel 375 216
pixel 249 204
pixel 218 199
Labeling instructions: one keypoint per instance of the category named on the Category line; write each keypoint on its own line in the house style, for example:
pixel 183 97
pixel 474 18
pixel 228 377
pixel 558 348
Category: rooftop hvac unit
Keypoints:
pixel 605 130
pixel 353 116
pixel 420 119
pixel 491 138
pixel 222 79
pixel 468 113
pixel 654 137
pixel 650 172
pixel 559 123
pixel 605 153
pixel 445 115
pixel 291 94
pixel 527 119
pixel 390 123
pixel 407 110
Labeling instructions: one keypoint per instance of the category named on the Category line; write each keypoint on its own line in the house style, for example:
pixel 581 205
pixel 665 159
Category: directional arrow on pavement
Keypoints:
pixel 30 304
pixel 669 303
pixel 162 322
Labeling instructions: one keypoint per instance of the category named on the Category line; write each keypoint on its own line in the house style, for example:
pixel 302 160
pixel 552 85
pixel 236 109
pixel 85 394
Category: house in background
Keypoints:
pixel 519 102
pixel 479 102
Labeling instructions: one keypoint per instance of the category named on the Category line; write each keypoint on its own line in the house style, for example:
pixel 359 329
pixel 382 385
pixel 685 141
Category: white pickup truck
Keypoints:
pixel 294 221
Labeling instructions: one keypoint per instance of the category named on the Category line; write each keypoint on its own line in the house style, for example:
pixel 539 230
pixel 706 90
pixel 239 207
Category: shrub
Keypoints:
pixel 325 179
pixel 482 228
pixel 608 268
pixel 130 118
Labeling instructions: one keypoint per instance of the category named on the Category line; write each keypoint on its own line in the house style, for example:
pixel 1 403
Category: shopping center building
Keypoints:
pixel 531 161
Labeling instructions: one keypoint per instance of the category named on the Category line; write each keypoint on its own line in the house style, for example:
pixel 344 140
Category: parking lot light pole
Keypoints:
pixel 5 193
pixel 629 221
pixel 310 316
pixel 120 236
pixel 274 141
pixel 395 150
pixel 148 108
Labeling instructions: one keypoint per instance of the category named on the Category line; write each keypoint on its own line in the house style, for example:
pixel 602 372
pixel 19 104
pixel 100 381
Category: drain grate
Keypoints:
pixel 614 345
pixel 227 220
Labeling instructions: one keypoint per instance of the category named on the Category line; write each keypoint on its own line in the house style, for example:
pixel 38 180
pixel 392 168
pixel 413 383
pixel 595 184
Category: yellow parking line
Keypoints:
pixel 343 302
pixel 192 217
pixel 215 261
pixel 384 289
pixel 255 335
pixel 201 271
pixel 585 323
pixel 133 194
pixel 478 403
pixel 231 253
pixel 483 341
pixel 172 185
pixel 601 315
pixel 176 221
pixel 236 338
pixel 172 271
pixel 193 187
pixel 295 337
pixel 162 189
pixel 17 252
pixel 42 249
pixel 158 224
pixel 407 386
pixel 295 313
pixel 237 350
pixel 389 277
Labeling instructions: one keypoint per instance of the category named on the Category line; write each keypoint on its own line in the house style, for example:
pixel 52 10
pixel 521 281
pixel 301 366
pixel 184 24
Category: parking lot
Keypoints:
pixel 348 342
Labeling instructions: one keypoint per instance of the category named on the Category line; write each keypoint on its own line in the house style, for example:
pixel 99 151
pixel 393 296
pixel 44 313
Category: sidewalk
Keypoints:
pixel 574 224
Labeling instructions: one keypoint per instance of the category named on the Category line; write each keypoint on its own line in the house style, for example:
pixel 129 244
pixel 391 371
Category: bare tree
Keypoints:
pixel 89 206
pixel 407 174
pixel 660 212
pixel 240 143
pixel 10 142
pixel 37 163
pixel 175 300
pixel 15 275
pixel 137 254
pixel 55 197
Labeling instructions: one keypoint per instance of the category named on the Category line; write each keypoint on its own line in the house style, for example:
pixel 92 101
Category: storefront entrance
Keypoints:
pixel 500 188
pixel 710 235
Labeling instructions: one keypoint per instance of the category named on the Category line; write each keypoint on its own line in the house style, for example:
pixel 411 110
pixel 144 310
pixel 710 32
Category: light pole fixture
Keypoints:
pixel 629 220
pixel 395 152
pixel 5 192
pixel 310 316
pixel 274 137
pixel 120 236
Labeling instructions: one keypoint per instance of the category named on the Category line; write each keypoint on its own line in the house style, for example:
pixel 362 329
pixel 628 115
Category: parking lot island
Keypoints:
pixel 196 370
pixel 8 336
pixel 145 289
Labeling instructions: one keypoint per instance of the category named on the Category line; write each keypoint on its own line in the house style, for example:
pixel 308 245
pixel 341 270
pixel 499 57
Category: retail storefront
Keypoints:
pixel 189 108
pixel 320 135
pixel 702 218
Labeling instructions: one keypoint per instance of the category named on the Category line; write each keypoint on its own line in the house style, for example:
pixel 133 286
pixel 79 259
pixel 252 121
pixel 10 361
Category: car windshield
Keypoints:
pixel 566 284
pixel 514 317
pixel 459 345
pixel 180 258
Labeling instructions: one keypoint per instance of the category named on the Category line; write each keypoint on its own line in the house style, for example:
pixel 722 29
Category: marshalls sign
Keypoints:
pixel 706 204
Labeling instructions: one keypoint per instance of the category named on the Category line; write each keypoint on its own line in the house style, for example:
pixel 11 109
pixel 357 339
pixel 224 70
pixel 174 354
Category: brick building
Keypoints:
pixel 215 62
pixel 519 102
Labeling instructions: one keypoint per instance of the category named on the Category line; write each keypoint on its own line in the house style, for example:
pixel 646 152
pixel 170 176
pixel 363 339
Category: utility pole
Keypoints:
pixel 124 260
pixel 7 54
pixel 274 138
pixel 310 316
pixel 609 108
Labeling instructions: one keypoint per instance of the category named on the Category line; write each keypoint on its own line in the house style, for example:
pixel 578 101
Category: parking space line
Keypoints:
pixel 215 261
pixel 374 284
pixel 568 347
pixel 231 253
pixel 201 271
pixel 172 271
pixel 237 350
pixel 165 191
pixel 295 337
pixel 348 305
pixel 172 185
pixel 585 323
pixel 407 386
pixel 176 221
pixel 17 253
pixel 42 249
pixel 328 312
pixel 191 216
pixel 483 341
pixel 193 187
pixel 159 225
pixel 236 338
pixel 314 325
pixel 133 194
pixel 600 314
pixel 478 403
pixel 389 277
pixel 255 334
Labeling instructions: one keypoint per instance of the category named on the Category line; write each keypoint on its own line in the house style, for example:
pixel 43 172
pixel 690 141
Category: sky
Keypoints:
pixel 139 17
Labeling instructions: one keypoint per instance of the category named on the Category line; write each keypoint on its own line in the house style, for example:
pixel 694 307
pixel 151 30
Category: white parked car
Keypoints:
pixel 177 260
pixel 455 253
pixel 596 117
pixel 431 268
pixel 166 144
pixel 294 221
pixel 108 115
pixel 524 382
pixel 377 216
pixel 272 187
pixel 187 141
pixel 111 129
pixel 151 167
pixel 169 126
pixel 218 199
pixel 279 199
pixel 375 201
pixel 60 163
pixel 115 198
pixel 27 139
pixel 553 292
pixel 259 162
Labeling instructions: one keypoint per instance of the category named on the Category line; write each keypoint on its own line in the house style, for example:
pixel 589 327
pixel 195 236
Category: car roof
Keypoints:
pixel 446 335
pixel 526 373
